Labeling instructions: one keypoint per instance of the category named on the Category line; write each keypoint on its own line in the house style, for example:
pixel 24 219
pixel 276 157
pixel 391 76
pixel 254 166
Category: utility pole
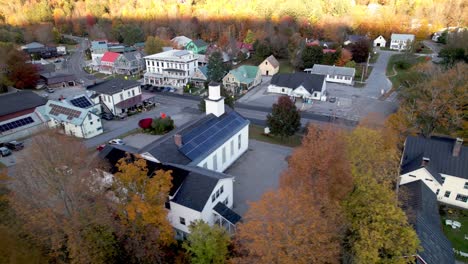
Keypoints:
pixel 367 65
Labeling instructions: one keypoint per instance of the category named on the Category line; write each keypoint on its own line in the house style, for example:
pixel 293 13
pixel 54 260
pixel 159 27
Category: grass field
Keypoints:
pixel 403 76
pixel 285 66
pixel 256 132
pixel 457 236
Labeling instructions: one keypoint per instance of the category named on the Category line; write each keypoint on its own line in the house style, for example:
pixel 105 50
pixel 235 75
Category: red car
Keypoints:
pixel 101 147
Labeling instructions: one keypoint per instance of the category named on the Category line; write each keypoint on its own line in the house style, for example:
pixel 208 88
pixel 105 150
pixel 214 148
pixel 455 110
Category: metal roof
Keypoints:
pixel 403 37
pixel 439 151
pixel 113 86
pixel 422 209
pixel 331 70
pixel 311 82
pixel 18 101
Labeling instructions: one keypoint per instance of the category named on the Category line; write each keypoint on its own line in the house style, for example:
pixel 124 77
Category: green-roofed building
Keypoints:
pixel 242 79
pixel 197 46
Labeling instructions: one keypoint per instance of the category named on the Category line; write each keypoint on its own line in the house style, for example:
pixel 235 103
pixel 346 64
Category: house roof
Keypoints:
pixel 113 86
pixel 81 101
pixel 181 40
pixel 200 137
pixel 132 55
pixel 55 77
pixel 33 45
pixel 439 151
pixel 417 163
pixel 110 56
pixel 64 112
pixel 199 43
pixel 197 187
pixel 355 38
pixel 402 37
pixel 331 70
pixel 98 45
pixel 173 54
pixel 245 73
pixel 227 213
pixel 242 45
pixel 421 207
pixel 19 101
pixel 191 186
pixel 379 38
pixel 204 70
pixel 311 82
pixel 273 61
pixel 206 136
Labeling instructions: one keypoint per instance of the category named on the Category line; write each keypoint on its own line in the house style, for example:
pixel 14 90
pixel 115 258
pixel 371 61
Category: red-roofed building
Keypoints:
pixel 242 45
pixel 108 62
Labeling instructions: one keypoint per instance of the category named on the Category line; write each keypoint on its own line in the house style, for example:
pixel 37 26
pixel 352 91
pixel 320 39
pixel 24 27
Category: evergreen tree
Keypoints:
pixel 216 68
pixel 312 55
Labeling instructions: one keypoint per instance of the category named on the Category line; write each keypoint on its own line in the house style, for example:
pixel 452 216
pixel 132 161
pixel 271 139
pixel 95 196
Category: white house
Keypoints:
pixel 334 73
pixel 380 41
pixel 170 68
pixel 270 66
pixel 213 142
pixel 197 153
pixel 441 163
pixel 62 50
pixel 181 41
pixel 20 115
pixel 300 85
pixel 196 194
pixel 73 120
pixel 119 96
pixel 401 41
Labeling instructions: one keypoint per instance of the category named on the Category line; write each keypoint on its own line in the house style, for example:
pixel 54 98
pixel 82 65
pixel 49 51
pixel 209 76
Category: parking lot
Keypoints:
pixel 257 171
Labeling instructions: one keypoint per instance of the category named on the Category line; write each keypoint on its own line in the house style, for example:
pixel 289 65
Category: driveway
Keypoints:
pixel 256 172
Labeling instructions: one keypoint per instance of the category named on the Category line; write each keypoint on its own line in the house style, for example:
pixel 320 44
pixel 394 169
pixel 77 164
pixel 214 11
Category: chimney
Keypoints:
pixel 178 140
pixel 457 147
pixel 214 104
pixel 425 162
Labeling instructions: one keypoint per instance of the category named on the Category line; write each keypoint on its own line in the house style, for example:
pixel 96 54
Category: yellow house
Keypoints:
pixel 270 66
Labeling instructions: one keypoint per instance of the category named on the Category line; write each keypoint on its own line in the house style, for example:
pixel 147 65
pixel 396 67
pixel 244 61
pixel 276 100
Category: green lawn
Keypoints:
pixel 285 66
pixel 404 76
pixel 374 57
pixel 359 71
pixel 457 236
pixel 256 132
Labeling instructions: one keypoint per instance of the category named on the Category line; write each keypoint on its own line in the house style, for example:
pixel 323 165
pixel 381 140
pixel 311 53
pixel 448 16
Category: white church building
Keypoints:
pixel 198 153
pixel 441 163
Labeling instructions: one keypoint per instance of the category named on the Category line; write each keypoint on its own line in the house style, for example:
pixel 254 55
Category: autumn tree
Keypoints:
pixel 207 244
pixel 153 45
pixel 19 73
pixel 360 50
pixel 142 216
pixel 435 104
pixel 284 120
pixel 59 197
pixel 312 55
pixel 249 37
pixel 344 58
pixel 378 229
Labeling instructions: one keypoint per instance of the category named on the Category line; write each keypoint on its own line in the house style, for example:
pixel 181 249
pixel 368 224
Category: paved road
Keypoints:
pixel 75 63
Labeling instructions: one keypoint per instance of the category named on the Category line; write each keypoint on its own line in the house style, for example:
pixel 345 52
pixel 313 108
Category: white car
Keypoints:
pixel 116 141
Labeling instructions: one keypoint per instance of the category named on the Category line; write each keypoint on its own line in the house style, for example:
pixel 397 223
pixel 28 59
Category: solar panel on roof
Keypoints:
pixel 70 113
pixel 81 102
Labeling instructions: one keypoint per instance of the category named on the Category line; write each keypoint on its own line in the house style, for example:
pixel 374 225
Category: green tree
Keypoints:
pixel 450 56
pixel 284 120
pixel 229 99
pixel 216 68
pixel 153 45
pixel 262 50
pixel 312 55
pixel 56 35
pixel 443 37
pixel 207 244
pixel 249 37
pixel 378 228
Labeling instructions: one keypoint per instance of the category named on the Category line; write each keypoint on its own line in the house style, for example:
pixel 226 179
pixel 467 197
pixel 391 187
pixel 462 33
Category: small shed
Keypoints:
pixel 380 41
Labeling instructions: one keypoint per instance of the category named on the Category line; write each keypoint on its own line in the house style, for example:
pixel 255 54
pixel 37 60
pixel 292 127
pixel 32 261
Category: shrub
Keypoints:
pixel 404 65
pixel 162 125
pixel 145 123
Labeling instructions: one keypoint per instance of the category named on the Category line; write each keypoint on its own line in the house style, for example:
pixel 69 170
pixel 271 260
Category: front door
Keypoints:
pixel 267 73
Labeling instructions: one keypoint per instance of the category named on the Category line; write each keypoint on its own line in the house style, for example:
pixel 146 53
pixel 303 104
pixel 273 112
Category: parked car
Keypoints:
pixel 50 90
pixel 45 95
pixel 107 116
pixel 332 99
pixel 116 141
pixel 166 89
pixel 101 147
pixel 4 151
pixel 15 145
